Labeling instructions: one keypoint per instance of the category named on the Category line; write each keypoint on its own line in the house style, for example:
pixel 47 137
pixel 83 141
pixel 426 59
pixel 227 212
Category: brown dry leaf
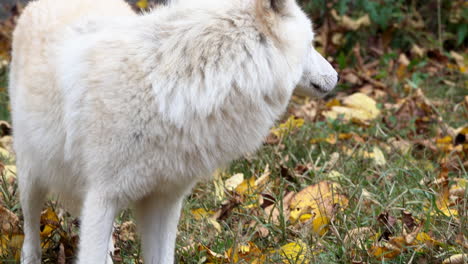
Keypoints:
pixel 418 51
pixel 127 231
pixel 5 129
pixel 9 172
pixel 401 145
pixel 408 220
pixel 352 78
pixel 306 111
pixel 6 142
pixel 9 222
pixel 227 207
pixel 349 23
pixel 458 190
pixel 358 236
pixel 416 106
pixel 61 259
pixel 387 222
pixel 272 211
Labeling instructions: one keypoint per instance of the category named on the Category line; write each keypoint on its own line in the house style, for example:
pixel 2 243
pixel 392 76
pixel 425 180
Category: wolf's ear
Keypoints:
pixel 277 6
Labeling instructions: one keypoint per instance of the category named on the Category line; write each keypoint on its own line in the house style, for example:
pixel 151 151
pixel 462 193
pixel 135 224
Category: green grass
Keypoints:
pixel 4 107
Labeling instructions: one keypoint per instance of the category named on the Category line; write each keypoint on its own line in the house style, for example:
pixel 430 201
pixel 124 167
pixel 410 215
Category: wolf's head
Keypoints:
pixel 292 29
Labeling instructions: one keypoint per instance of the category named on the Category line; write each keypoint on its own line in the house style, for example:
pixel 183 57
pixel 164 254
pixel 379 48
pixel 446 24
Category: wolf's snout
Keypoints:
pixel 318 78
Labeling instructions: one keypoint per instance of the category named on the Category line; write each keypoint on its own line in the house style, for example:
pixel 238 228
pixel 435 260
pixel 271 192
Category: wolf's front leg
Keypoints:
pixel 96 228
pixel 157 219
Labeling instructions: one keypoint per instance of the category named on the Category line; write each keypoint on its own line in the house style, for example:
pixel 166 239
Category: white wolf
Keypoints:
pixel 112 109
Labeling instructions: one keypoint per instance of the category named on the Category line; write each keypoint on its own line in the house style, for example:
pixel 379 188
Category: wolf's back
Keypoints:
pixel 39 28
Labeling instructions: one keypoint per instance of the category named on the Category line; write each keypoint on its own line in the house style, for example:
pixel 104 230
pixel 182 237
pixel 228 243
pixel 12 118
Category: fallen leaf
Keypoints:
pixel 127 231
pixel 408 220
pixel 49 222
pixel 379 157
pixel 349 23
pixel 201 213
pixel 273 213
pixel 358 236
pixel 142 4
pixel 288 126
pixel 247 253
pixel 234 181
pixel 319 201
pixel 294 252
pixel 456 259
pixel 11 244
pixel 9 222
pixel 357 107
pixel 219 185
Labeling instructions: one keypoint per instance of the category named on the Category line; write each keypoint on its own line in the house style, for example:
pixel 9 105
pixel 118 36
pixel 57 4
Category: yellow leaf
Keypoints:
pixel 215 224
pixel 358 107
pixel 219 185
pixel 295 252
pixel 379 157
pixel 251 186
pixel 4 153
pixel 10 172
pixel 50 221
pixel 286 127
pixel 213 257
pixel 201 213
pixel 142 4
pixel 245 253
pixel 318 200
pixel 320 224
pixel 234 181
pixel 363 102
pixel 263 179
pixel 333 102
pixel 11 244
pixel 335 175
pixel 424 238
pixel 246 187
pixel 382 252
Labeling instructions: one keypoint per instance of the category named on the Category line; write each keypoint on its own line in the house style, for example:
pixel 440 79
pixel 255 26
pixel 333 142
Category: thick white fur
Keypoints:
pixel 112 109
